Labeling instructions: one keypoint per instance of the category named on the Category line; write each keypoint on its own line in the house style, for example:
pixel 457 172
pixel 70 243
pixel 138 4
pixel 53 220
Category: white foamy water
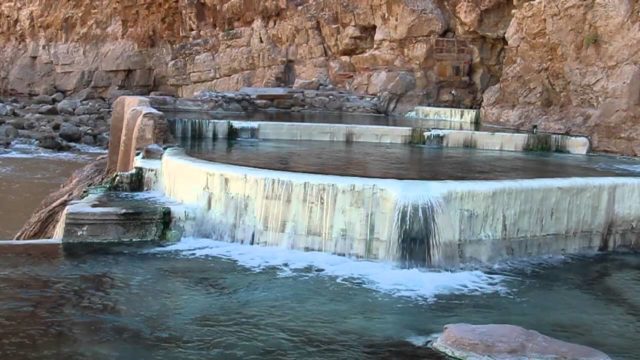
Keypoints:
pixel 27 149
pixel 380 276
pixel 634 168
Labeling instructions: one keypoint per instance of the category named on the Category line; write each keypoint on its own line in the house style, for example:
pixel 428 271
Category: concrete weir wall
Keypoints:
pixel 470 116
pixel 219 129
pixel 433 223
pixel 508 141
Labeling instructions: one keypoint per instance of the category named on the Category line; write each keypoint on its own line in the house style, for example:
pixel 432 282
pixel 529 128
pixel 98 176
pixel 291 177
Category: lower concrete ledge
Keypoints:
pixel 115 218
pixel 508 141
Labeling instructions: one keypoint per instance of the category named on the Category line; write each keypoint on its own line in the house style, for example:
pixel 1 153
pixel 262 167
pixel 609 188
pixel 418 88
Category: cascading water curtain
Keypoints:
pixel 417 234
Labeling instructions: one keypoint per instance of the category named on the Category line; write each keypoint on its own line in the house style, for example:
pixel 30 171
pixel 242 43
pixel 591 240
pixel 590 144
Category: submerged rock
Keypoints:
pixel 8 131
pixel 4 142
pixel 51 142
pixel 470 342
pixel 153 151
pixel 88 140
pixel 70 133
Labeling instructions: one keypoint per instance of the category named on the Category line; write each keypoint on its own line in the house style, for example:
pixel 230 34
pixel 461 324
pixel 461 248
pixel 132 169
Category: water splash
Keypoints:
pixel 384 277
pixel 29 149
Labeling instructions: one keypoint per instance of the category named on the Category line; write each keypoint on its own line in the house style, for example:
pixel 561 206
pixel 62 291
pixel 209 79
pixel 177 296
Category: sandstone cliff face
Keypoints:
pixel 573 66
pixel 418 49
pixel 565 65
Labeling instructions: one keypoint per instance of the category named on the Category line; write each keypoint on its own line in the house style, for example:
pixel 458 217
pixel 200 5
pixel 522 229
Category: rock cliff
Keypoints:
pixel 573 66
pixel 565 65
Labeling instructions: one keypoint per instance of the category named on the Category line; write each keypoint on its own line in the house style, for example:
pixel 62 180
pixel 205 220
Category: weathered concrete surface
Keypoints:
pixel 95 219
pixel 508 342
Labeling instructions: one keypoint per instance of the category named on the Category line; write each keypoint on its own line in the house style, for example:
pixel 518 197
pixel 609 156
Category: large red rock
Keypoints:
pixel 503 342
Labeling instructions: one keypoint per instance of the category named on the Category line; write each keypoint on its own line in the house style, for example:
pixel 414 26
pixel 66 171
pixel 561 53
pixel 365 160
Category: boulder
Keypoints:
pixel 263 104
pixel 6 110
pixel 394 82
pixel 70 132
pixel 83 95
pixel 4 142
pixel 464 341
pixel 43 99
pixel 87 110
pixel 153 152
pixel 8 132
pixel 57 97
pixel 48 110
pixel 319 102
pixel 88 140
pixel 283 104
pixel 31 124
pixel 306 84
pixel 102 140
pixel 67 106
pixel 51 142
pixel 233 107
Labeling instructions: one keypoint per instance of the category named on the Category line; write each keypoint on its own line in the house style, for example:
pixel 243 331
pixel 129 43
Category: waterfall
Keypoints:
pixel 414 223
pixel 417 234
pixel 194 128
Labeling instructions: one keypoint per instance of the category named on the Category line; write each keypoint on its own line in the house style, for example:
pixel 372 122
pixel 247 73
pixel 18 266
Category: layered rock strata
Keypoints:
pixel 573 66
pixel 566 66
pixel 424 50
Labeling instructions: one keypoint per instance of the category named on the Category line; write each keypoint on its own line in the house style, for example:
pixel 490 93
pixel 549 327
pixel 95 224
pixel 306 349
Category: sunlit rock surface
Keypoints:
pixel 568 66
pixel 572 66
pixel 504 342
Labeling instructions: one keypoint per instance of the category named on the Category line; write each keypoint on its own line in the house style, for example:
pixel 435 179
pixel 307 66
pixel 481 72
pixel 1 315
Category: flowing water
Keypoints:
pixel 207 299
pixel 397 161
pixel 27 176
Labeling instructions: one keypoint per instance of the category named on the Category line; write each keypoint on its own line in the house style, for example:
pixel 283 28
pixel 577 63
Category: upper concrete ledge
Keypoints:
pixel 508 141
pixel 450 114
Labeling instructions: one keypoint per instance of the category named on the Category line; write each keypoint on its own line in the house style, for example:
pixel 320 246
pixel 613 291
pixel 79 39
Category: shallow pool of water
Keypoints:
pixel 27 176
pixel 207 299
pixel 398 161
